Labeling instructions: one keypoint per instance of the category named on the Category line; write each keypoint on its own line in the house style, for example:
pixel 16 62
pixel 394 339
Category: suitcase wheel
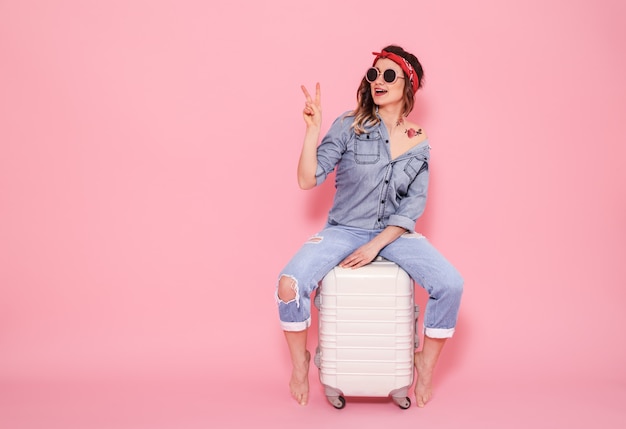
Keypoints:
pixel 337 401
pixel 403 403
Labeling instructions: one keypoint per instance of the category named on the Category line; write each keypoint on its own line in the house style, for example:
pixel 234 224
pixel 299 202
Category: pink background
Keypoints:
pixel 148 201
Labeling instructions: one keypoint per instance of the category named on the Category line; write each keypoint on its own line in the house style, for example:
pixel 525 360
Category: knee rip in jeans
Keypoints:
pixel 315 239
pixel 414 235
pixel 288 290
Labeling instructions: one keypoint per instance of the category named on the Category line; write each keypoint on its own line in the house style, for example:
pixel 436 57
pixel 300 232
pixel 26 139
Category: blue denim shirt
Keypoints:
pixel 372 190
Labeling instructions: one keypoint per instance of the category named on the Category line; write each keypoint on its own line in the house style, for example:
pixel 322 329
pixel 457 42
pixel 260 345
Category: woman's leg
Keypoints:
pixel 444 285
pixel 297 281
pixel 300 358
pixel 425 362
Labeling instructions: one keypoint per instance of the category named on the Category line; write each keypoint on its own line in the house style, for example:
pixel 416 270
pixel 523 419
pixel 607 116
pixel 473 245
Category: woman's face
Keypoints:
pixel 385 93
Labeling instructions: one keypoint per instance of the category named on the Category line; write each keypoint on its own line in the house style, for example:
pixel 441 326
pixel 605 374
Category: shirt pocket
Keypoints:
pixel 414 166
pixel 367 148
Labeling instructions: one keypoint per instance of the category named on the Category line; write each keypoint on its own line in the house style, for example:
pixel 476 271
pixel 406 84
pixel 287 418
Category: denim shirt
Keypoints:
pixel 372 190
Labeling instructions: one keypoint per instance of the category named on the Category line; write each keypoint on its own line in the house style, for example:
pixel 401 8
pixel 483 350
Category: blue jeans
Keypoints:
pixel 411 251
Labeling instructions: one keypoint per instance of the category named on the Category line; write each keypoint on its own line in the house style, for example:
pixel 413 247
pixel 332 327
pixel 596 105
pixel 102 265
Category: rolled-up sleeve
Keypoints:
pixel 413 204
pixel 332 147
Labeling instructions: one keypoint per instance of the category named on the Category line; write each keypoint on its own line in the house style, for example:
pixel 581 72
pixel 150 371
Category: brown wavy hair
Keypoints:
pixel 365 112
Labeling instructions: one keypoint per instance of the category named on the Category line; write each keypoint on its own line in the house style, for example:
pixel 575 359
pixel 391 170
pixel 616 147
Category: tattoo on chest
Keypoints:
pixel 411 132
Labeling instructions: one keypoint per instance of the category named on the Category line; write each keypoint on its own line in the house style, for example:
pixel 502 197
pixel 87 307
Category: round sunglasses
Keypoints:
pixel 389 75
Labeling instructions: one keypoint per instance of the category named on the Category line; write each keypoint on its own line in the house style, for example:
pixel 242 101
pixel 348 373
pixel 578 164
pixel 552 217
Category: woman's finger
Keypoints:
pixel 318 94
pixel 306 94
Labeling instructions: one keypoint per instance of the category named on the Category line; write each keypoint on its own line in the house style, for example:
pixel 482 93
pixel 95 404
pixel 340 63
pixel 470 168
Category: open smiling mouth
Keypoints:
pixel 379 91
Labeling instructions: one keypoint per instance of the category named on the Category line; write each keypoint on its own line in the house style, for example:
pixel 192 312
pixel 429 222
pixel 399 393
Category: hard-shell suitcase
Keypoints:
pixel 367 333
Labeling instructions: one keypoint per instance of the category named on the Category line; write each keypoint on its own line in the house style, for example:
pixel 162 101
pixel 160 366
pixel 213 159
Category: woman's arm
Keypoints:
pixel 312 113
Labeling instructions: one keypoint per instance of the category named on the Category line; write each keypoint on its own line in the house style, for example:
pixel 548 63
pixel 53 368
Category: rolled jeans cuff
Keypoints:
pixel 438 333
pixel 295 326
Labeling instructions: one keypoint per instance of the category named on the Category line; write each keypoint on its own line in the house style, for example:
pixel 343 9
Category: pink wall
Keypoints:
pixel 147 177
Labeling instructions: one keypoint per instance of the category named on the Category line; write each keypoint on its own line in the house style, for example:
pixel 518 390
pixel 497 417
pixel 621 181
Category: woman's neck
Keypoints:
pixel 392 117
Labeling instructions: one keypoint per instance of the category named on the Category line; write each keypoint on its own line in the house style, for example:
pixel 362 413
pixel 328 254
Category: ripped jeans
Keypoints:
pixel 411 251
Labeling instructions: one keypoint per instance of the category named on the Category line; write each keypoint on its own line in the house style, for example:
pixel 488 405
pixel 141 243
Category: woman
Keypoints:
pixel 381 182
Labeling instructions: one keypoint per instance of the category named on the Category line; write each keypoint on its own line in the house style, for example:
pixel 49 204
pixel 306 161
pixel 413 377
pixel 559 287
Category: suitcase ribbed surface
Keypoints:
pixel 366 329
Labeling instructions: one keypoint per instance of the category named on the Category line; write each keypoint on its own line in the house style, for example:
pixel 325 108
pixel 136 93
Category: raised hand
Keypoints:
pixel 312 112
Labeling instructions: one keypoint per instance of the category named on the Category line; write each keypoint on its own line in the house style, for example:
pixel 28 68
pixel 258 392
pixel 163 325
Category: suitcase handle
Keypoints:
pixel 417 334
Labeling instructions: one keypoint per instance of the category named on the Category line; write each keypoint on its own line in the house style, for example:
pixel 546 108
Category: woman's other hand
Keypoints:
pixel 360 257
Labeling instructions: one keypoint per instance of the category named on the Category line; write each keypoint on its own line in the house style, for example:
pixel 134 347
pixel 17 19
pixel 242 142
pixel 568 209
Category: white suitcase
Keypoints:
pixel 367 333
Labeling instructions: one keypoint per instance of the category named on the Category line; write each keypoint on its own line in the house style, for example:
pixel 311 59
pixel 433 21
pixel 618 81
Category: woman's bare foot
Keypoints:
pixel 424 383
pixel 425 362
pixel 299 383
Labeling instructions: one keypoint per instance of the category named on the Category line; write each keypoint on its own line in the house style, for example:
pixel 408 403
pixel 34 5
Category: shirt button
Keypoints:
pixel 382 202
pixel 386 141
pixel 386 181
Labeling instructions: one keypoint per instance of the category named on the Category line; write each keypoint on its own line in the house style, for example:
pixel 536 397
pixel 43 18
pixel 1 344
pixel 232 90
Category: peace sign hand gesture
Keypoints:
pixel 312 112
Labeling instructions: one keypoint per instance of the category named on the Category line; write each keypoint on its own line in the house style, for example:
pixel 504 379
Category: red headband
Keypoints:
pixel 406 66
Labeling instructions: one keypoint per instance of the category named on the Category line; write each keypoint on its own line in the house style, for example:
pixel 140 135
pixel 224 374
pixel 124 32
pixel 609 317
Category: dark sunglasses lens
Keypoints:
pixel 389 75
pixel 371 74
